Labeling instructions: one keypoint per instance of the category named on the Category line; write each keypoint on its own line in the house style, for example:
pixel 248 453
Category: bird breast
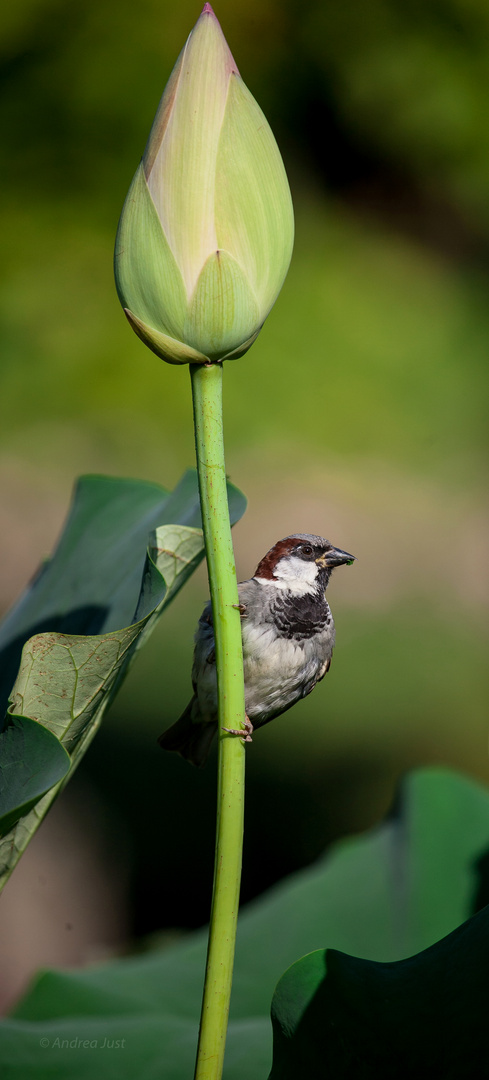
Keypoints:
pixel 278 669
pixel 286 650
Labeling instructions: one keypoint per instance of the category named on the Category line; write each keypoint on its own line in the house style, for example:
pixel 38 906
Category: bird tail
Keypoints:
pixel 190 738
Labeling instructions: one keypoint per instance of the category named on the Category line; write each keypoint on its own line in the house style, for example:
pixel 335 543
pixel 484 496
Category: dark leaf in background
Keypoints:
pixel 385 896
pixel 337 1016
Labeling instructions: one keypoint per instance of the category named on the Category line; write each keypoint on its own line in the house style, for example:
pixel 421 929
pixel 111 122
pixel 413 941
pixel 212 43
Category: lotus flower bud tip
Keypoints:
pixel 206 232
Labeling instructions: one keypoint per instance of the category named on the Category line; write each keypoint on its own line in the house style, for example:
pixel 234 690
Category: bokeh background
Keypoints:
pixel 359 414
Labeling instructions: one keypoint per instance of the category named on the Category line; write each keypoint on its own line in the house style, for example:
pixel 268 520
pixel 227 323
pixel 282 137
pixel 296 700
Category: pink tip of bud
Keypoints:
pixel 232 67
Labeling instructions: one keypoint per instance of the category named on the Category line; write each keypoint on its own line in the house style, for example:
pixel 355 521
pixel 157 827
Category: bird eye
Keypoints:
pixel 306 549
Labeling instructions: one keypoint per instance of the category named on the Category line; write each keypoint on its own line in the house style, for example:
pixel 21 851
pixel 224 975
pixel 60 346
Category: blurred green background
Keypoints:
pixel 359 413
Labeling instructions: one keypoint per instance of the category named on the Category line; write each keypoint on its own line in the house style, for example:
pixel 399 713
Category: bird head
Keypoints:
pixel 301 563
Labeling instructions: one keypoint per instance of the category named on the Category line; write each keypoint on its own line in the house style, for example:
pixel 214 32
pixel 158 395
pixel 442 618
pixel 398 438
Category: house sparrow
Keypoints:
pixel 288 637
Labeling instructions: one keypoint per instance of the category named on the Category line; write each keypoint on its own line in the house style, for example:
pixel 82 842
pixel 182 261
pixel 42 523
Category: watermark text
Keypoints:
pixel 82 1044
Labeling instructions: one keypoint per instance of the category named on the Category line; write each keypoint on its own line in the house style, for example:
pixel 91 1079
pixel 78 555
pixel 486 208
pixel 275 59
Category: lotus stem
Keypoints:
pixel 207 403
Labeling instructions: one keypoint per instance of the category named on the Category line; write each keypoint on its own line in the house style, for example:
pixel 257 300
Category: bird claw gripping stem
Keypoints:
pixel 244 733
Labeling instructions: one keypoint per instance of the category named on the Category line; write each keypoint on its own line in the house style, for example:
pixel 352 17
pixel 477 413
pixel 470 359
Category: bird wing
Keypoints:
pixel 204 676
pixel 309 686
pixel 204 651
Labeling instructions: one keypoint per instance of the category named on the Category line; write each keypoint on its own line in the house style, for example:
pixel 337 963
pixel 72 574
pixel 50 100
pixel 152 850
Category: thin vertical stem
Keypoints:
pixel 207 401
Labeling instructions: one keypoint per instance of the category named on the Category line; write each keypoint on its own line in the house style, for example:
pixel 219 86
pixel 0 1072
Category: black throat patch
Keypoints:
pixel 300 617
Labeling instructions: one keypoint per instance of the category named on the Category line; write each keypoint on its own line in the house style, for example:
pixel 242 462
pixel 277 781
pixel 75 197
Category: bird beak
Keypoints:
pixel 335 557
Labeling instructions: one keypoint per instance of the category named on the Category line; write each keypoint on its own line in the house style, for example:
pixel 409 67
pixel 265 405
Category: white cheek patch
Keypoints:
pixel 294 574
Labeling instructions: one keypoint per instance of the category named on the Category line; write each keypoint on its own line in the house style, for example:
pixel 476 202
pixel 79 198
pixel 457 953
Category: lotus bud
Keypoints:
pixel 206 232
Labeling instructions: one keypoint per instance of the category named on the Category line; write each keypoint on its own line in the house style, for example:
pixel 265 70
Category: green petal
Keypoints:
pixel 240 351
pixel 148 280
pixel 223 313
pixel 181 175
pixel 174 352
pixel 254 215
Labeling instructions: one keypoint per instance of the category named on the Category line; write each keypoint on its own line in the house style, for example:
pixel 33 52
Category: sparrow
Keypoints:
pixel 288 637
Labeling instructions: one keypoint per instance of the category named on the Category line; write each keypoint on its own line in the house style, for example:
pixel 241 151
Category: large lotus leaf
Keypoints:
pixel 339 1016
pixel 32 760
pixel 91 584
pixel 385 895
pixel 66 680
pixel 125 1047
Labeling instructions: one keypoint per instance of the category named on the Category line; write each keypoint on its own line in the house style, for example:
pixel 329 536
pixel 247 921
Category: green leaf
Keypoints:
pixel 339 1016
pixel 387 895
pixel 123 1047
pixel 92 582
pixel 64 680
pixel 97 579
pixel 32 760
